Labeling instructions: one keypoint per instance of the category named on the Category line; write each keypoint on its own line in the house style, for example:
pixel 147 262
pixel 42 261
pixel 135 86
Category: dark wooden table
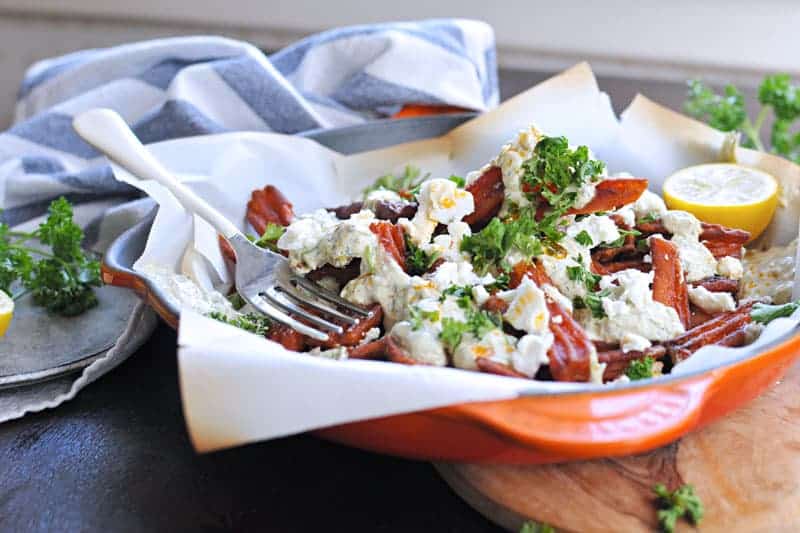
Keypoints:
pixel 117 458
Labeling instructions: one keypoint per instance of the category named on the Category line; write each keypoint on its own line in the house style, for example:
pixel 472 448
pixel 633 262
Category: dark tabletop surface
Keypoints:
pixel 117 458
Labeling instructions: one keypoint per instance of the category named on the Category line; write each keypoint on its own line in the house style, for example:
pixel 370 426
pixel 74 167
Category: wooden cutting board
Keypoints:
pixel 745 467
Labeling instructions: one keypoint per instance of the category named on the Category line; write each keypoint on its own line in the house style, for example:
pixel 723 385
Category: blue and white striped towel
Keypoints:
pixel 186 86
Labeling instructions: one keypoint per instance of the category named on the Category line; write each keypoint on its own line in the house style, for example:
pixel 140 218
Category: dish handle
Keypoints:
pixel 591 425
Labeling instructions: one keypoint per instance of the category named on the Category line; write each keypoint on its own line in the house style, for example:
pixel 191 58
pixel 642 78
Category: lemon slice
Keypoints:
pixel 6 312
pixel 724 193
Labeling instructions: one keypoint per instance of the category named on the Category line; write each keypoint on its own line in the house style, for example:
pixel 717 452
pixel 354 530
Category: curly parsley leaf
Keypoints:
pixel 459 181
pixel 682 502
pixel 478 323
pixel 581 274
pixel 536 527
pixel 252 322
pixel 62 279
pixel 404 184
pixel 557 172
pixel 765 313
pixel 726 112
pixel 490 246
pixel 640 368
pixel 623 234
pixel 419 315
pixel 593 301
pixel 269 239
pixel 417 260
pixel 452 332
pixel 584 239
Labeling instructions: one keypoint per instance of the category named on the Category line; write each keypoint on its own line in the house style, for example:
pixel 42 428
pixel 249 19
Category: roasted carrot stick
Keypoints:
pixel 669 285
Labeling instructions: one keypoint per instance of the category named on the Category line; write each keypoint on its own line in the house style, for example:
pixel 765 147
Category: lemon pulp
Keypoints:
pixel 724 193
pixel 6 312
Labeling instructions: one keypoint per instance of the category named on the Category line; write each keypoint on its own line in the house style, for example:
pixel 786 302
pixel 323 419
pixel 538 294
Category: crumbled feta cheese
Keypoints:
pixel 601 229
pixel 387 285
pixel 649 203
pixel 338 354
pixel 371 335
pixel 528 309
pixel 422 344
pixel 627 214
pixel 440 201
pixel 730 267
pixel 318 239
pixel 697 261
pixel 633 342
pixel 531 353
pixel 510 160
pixel 480 294
pixel 494 344
pixel 557 297
pixel 630 308
pixel 380 195
pixel 711 302
pixel 449 274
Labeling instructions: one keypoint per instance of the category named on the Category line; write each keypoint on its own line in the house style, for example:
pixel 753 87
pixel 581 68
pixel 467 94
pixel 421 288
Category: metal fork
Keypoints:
pixel 263 278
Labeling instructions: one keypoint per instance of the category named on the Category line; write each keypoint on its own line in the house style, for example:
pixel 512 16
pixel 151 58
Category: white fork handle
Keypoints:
pixel 106 130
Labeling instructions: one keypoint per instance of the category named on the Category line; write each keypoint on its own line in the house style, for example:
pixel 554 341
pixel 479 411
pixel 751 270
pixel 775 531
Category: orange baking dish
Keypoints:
pixel 540 428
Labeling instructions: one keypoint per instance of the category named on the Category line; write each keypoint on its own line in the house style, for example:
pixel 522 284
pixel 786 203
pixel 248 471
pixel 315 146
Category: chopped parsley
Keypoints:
pixel 640 368
pixel 417 260
pixel 60 279
pixel 489 246
pixel 479 323
pixel 404 184
pixel 581 274
pixel 682 502
pixel 592 301
pixel 557 172
pixel 650 217
pixel 531 526
pixel 269 239
pixel 458 180
pixel 252 322
pixel 584 239
pixel 462 293
pixel 500 283
pixel 765 313
pixel 623 234
pixel 418 315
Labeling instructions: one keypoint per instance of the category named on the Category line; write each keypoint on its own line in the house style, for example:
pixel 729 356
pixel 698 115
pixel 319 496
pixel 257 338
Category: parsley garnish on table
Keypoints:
pixel 727 112
pixel 60 276
pixel 531 526
pixel 682 502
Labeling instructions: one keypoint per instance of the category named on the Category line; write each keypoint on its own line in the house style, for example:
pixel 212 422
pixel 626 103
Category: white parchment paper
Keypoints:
pixel 239 388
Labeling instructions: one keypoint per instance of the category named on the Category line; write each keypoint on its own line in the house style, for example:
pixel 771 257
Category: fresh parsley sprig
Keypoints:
pixel 406 184
pixel 417 260
pixel 765 313
pixel 640 368
pixel 61 280
pixel 682 502
pixel 726 112
pixel 269 239
pixel 252 322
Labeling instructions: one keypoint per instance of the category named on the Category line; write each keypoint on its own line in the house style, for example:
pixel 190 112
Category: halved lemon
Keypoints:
pixel 725 193
pixel 6 312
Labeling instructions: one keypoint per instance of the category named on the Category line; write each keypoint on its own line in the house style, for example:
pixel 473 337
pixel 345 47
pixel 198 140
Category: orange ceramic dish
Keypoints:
pixel 539 428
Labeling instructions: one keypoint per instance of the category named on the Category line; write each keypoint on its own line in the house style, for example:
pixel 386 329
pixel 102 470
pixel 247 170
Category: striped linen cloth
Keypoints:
pixel 179 87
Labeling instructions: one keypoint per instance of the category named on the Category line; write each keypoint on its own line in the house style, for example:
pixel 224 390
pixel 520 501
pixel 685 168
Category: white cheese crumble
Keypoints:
pixel 380 195
pixel 320 238
pixel 421 345
pixel 631 342
pixel 730 267
pixel 528 310
pixel 697 261
pixel 711 302
pixel 649 203
pixel 440 201
pixel 531 353
pixel 630 308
